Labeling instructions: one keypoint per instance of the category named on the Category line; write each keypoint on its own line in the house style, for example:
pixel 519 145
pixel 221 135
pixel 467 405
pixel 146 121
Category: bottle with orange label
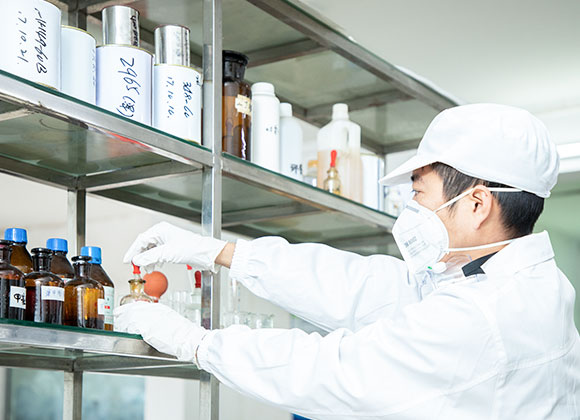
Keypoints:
pixel 98 273
pixel 84 297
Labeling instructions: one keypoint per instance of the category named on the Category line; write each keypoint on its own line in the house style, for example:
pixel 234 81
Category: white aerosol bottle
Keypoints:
pixel 123 68
pixel 265 127
pixel 176 86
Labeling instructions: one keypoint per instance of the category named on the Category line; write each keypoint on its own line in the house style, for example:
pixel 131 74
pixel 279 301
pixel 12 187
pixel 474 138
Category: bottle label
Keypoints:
pixel 52 293
pixel 101 306
pixel 243 104
pixel 109 304
pixel 17 297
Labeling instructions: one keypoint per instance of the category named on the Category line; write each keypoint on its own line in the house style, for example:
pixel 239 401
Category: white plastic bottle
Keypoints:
pixel 342 135
pixel 265 127
pixel 290 144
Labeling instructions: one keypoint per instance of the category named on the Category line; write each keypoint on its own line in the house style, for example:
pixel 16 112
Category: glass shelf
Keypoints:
pixel 60 347
pixel 51 137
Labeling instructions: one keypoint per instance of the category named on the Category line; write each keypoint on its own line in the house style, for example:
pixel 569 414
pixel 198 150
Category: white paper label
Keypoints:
pixel 17 297
pixel 243 104
pixel 124 81
pixel 52 293
pixel 177 101
pixel 109 304
pixel 101 306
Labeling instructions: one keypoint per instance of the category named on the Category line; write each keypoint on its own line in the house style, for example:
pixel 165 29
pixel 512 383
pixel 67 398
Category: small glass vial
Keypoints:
pixel 136 286
pixel 60 265
pixel 44 290
pixel 20 257
pixel 84 298
pixel 332 181
pixel 99 274
pixel 12 291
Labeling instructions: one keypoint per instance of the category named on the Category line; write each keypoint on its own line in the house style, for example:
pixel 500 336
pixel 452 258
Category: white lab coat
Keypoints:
pixel 498 346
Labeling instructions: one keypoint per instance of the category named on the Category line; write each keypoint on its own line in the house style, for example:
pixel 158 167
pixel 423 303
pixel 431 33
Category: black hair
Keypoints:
pixel 519 210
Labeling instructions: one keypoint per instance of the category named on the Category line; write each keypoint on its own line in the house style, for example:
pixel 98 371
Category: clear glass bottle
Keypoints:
pixel 84 297
pixel 136 286
pixel 60 265
pixel 236 106
pixel 21 258
pixel 12 291
pixel 332 181
pixel 99 274
pixel 44 290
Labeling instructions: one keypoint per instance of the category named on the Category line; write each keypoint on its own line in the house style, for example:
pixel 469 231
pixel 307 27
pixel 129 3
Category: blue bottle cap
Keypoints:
pixel 16 235
pixel 92 251
pixel 57 244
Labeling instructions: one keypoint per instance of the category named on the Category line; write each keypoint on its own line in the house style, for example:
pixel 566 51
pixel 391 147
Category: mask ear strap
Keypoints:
pixel 469 191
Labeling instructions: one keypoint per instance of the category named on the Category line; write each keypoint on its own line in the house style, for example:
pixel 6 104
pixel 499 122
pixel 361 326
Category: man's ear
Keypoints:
pixel 481 201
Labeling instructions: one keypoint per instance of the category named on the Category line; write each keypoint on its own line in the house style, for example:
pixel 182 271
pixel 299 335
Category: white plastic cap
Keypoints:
pixel 496 143
pixel 285 109
pixel 263 88
pixel 340 112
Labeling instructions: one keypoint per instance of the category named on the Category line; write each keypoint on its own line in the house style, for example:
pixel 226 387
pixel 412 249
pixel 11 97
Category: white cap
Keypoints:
pixel 263 88
pixel 496 143
pixel 285 109
pixel 340 112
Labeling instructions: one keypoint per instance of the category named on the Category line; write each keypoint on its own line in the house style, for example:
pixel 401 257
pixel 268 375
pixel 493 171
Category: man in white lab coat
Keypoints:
pixel 475 323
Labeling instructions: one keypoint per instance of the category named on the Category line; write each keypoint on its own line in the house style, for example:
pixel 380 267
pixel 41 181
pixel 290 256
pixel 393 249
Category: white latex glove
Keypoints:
pixel 161 327
pixel 165 242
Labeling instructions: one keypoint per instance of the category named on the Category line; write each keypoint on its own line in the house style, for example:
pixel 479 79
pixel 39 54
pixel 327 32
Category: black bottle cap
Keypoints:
pixel 81 259
pixel 238 57
pixel 41 251
pixel 5 243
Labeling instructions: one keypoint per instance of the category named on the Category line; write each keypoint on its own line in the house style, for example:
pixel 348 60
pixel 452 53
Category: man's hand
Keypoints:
pixel 161 327
pixel 165 242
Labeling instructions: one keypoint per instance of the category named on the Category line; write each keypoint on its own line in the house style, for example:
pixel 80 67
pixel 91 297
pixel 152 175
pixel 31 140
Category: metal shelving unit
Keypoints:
pixel 57 140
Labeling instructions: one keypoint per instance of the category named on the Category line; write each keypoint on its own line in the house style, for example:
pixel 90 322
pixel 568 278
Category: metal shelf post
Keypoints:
pixel 211 214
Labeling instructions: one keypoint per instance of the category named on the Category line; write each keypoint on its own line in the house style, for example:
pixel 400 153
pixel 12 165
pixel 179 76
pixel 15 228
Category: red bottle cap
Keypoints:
pixel 136 269
pixel 198 279
pixel 333 159
pixel 189 267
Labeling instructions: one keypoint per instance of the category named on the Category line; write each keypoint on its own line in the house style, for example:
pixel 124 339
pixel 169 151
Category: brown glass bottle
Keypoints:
pixel 99 274
pixel 84 298
pixel 44 290
pixel 20 257
pixel 60 265
pixel 12 291
pixel 236 106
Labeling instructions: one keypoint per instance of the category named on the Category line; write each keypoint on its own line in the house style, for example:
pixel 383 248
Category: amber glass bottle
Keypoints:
pixel 20 257
pixel 60 264
pixel 84 298
pixel 12 291
pixel 136 287
pixel 236 106
pixel 99 274
pixel 44 290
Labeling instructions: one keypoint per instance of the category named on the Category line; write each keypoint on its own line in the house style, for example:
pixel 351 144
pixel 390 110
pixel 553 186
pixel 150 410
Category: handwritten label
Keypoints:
pixel 52 293
pixel 17 297
pixel 132 86
pixel 272 129
pixel 296 168
pixel 40 42
pixel 101 306
pixel 187 94
pixel 169 84
pixel 243 104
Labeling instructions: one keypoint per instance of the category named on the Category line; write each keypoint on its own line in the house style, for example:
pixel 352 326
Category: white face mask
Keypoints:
pixel 422 238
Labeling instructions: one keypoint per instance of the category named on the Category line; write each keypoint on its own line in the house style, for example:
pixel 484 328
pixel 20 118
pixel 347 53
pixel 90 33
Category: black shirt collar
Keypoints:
pixel 474 267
